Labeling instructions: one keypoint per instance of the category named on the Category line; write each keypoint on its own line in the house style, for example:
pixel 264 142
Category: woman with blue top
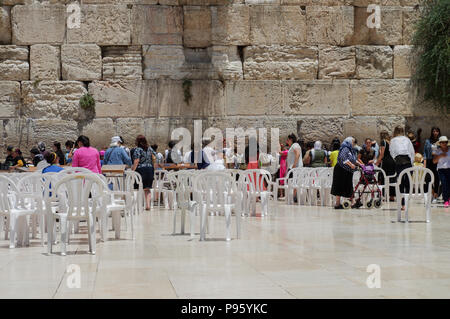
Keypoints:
pixel 52 160
pixel 143 164
pixel 116 155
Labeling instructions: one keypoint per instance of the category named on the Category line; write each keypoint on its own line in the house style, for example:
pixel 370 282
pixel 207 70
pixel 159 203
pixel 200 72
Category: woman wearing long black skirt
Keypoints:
pixel 343 172
pixel 387 162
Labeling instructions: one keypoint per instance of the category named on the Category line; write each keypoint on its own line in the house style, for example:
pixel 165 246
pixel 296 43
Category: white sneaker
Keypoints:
pixel 434 201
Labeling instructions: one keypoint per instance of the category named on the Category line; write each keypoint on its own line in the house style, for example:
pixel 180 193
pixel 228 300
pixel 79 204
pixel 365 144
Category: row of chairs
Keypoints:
pixel 66 198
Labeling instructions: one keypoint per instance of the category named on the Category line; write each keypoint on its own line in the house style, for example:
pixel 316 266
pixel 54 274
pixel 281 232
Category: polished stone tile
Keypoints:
pixel 301 252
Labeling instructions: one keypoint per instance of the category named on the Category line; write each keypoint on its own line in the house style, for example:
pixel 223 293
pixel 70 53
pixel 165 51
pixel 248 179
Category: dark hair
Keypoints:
pixel 84 140
pixel 432 139
pixel 154 147
pixel 310 145
pixel 57 145
pixel 301 142
pixel 18 151
pixel 336 146
pixel 141 142
pixel 69 144
pixel 35 151
pixel 121 140
pixel 399 130
pixel 10 148
pixel 367 139
pixel 50 157
pixel 172 144
pixel 292 137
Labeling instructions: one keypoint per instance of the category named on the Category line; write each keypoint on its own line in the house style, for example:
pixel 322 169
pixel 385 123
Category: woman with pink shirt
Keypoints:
pixel 86 156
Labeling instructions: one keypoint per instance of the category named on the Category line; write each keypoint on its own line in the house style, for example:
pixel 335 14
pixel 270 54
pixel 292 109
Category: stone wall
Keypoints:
pixel 307 66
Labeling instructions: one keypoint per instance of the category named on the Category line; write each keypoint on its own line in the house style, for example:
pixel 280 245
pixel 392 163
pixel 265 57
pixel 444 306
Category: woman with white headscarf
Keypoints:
pixel 318 156
pixel 343 172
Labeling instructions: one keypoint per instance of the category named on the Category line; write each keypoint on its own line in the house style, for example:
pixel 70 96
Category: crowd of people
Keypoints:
pixel 393 155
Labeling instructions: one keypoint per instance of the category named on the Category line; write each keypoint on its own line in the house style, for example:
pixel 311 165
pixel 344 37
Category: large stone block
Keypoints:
pixel 321 97
pixel 163 61
pixel 226 62
pixel 230 25
pixel 159 130
pixel 51 130
pixel 317 2
pixel 5 25
pixel 273 62
pixel 99 132
pixel 197 26
pixel 9 98
pixel 320 128
pixel 120 2
pixel 115 99
pixel 277 25
pixel 365 3
pixel 157 25
pixel 16 132
pixel 129 129
pixel 45 60
pixel 381 97
pixel 81 62
pixel 38 24
pixel 410 17
pixel 253 98
pixel 403 61
pixel 374 62
pixel 329 25
pixel 122 62
pixel 389 33
pixel 362 127
pixel 204 2
pixel 102 25
pixel 53 99
pixel 198 64
pixel 14 63
pixel 337 62
pixel 207 98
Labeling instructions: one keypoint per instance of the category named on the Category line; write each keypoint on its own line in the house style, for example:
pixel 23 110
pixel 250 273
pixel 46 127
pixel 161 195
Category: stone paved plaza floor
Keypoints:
pixel 302 252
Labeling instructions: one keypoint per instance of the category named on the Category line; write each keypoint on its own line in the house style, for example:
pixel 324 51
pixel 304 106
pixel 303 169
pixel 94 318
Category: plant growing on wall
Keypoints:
pixel 187 84
pixel 432 50
pixel 87 102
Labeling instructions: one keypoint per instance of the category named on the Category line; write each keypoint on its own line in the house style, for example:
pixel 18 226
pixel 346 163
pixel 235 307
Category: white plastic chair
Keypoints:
pixel 33 186
pixel 133 177
pixel 212 192
pixel 181 182
pixel 160 183
pixel 114 207
pixel 72 194
pixel 416 177
pixel 298 179
pixel 13 206
pixel 262 181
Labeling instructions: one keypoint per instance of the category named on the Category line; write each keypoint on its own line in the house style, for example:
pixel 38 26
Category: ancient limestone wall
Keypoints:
pixel 306 66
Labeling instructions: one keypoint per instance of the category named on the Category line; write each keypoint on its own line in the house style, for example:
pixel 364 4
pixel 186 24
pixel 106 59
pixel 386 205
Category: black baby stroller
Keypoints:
pixel 367 185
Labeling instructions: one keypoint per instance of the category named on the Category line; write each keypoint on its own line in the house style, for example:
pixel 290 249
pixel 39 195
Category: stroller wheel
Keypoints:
pixel 346 204
pixel 377 203
pixel 369 204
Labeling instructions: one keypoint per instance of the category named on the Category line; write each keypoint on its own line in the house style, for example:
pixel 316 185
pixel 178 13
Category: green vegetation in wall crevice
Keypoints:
pixel 431 42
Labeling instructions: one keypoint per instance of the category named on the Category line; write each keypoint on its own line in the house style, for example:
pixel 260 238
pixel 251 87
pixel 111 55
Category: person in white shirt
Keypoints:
pixel 210 153
pixel 402 151
pixel 294 157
